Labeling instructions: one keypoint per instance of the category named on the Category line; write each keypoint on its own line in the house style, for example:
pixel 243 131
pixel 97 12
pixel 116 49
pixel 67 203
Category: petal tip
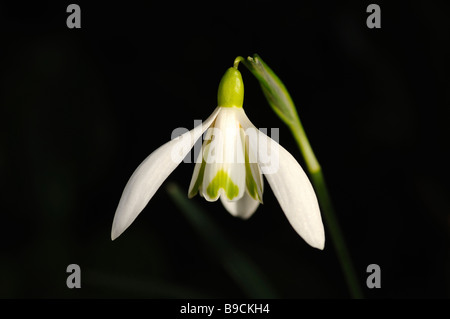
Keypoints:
pixel 119 224
pixel 317 242
pixel 115 232
pixel 320 245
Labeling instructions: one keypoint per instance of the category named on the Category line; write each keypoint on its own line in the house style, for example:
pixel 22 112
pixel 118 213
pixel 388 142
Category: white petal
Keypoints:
pixel 291 187
pixel 151 173
pixel 225 160
pixel 297 198
pixel 243 208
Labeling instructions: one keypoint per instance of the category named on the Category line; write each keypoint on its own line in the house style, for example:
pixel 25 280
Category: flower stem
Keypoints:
pixel 303 143
pixel 327 209
pixel 237 60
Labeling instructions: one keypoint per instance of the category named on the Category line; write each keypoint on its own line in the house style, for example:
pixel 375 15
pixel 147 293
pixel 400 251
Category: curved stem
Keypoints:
pixel 237 60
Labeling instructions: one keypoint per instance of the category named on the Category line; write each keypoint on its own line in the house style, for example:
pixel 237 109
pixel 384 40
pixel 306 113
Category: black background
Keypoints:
pixel 81 108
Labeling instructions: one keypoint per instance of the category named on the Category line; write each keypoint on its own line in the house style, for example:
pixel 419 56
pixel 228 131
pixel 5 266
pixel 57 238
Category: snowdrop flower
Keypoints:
pixel 234 156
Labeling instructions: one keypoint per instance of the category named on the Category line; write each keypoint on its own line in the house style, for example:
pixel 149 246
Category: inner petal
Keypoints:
pixel 197 176
pixel 225 160
pixel 253 177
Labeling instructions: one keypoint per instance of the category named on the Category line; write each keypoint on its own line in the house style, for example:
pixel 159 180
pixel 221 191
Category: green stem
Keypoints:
pixel 327 209
pixel 306 149
pixel 237 60
pixel 335 233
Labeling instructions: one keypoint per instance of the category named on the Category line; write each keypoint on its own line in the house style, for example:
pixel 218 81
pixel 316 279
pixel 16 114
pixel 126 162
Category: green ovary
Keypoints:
pixel 222 180
pixel 231 89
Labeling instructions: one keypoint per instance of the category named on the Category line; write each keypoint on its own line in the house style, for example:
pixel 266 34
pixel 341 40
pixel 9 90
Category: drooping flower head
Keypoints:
pixel 234 156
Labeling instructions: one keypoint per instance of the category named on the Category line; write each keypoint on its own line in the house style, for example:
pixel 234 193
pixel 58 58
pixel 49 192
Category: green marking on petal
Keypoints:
pixel 201 171
pixel 251 184
pixel 199 180
pixel 222 180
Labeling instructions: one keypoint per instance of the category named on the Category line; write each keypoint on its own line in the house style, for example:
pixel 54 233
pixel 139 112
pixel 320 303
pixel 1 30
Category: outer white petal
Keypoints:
pixel 291 187
pixel 243 208
pixel 297 198
pixel 151 173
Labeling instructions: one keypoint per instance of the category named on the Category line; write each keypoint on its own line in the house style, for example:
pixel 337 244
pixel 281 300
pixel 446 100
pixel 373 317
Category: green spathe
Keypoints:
pixel 231 89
